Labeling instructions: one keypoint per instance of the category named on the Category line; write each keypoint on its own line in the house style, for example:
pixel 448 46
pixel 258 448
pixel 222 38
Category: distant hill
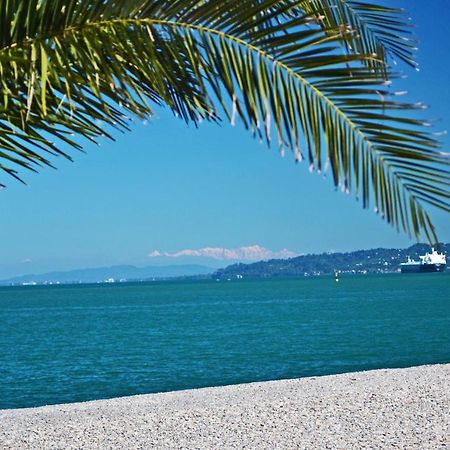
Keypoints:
pixel 379 260
pixel 116 273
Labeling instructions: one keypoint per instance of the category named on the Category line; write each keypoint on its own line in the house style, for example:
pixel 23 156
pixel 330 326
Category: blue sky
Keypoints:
pixel 168 187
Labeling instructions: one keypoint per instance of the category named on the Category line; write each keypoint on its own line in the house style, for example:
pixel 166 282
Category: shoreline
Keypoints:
pixel 404 408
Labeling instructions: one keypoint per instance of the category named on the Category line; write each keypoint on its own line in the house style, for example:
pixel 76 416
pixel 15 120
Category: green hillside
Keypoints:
pixel 379 260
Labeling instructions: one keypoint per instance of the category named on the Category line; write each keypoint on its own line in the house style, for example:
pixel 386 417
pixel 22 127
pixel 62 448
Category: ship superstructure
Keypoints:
pixel 430 262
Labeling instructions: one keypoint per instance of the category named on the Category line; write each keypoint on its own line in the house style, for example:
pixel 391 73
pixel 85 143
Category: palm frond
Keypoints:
pixel 70 67
pixel 376 30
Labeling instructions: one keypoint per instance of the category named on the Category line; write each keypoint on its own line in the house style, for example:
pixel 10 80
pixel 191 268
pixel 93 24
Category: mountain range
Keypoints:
pixel 116 273
pixel 379 260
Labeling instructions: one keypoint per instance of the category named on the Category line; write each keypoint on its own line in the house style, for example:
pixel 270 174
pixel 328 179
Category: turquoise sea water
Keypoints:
pixel 81 342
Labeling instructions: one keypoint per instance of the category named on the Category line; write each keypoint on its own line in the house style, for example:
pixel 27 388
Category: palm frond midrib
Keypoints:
pixel 326 106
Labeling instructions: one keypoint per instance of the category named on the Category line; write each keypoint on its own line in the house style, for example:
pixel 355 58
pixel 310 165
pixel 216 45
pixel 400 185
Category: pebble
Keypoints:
pixel 380 409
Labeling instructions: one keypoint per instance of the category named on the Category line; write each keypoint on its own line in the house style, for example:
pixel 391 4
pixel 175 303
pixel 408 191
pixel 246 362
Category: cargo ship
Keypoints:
pixel 430 262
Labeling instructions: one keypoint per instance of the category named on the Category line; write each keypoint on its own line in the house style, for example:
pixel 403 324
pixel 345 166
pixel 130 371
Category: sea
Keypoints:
pixel 75 343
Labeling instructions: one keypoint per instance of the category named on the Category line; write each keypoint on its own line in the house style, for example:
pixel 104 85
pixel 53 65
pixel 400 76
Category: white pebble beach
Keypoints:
pixel 379 409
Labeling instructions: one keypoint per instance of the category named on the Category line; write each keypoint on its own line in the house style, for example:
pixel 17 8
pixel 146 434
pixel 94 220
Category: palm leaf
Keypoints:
pixel 70 67
pixel 377 30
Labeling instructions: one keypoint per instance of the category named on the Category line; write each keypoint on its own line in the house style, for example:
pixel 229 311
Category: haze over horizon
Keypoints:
pixel 183 262
pixel 170 188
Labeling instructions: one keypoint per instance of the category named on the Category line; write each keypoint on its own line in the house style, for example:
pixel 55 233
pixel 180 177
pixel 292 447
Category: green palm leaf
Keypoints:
pixel 70 67
pixel 378 30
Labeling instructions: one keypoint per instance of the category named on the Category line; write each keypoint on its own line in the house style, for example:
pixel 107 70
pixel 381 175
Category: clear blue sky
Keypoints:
pixel 169 187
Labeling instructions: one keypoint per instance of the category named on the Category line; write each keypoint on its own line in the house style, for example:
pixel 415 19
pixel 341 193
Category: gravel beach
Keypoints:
pixel 395 408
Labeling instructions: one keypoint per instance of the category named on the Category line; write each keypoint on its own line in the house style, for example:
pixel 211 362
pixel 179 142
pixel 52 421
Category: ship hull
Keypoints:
pixel 423 268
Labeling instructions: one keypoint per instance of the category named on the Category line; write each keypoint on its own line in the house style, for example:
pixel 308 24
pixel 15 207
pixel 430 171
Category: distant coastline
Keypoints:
pixel 362 262
pixel 111 275
pixel 359 262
